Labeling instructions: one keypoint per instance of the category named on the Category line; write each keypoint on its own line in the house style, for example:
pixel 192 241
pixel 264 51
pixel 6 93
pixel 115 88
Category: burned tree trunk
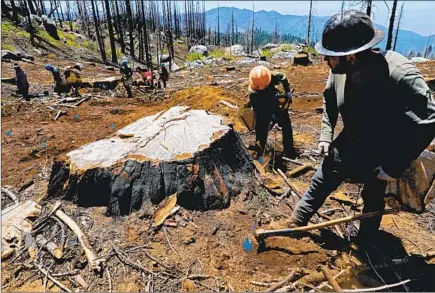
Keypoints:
pixel 97 31
pixel 183 151
pixel 111 36
pixel 391 26
pixel 130 26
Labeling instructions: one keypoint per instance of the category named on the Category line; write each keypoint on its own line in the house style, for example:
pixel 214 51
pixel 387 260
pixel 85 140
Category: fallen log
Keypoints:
pixel 59 114
pixel 15 223
pixel 188 152
pixel 10 194
pixel 95 263
pixel 81 101
pixel 26 185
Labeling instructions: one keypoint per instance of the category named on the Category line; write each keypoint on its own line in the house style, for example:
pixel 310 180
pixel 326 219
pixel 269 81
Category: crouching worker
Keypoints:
pixel 127 77
pixel 267 107
pixel 22 83
pixel 388 116
pixel 59 83
pixel 73 79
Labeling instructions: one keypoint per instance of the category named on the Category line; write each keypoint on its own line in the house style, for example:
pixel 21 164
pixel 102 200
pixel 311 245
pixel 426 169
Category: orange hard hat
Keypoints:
pixel 260 77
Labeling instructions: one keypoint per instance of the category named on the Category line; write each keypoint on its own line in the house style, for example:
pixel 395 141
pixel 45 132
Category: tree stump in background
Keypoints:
pixel 301 59
pixel 188 152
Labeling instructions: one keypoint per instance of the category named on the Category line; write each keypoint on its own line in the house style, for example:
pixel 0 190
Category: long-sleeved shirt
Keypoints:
pixel 21 79
pixel 389 116
pixel 264 101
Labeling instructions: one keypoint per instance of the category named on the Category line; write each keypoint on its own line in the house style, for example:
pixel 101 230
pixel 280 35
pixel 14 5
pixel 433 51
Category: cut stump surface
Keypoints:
pixel 188 152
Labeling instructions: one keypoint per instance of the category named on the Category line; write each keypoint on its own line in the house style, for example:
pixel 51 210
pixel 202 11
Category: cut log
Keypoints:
pixel 51 247
pixel 108 83
pixel 15 224
pixel 188 152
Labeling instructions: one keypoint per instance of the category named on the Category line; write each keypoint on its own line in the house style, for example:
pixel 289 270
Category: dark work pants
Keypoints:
pixel 334 170
pixel 262 129
pixel 129 92
pixel 25 92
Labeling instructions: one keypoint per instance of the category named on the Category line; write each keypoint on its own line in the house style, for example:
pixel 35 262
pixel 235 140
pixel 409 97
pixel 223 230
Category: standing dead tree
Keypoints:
pixel 308 40
pixel 98 33
pixel 252 28
pixel 111 36
pixel 391 26
pixel 119 27
pixel 130 26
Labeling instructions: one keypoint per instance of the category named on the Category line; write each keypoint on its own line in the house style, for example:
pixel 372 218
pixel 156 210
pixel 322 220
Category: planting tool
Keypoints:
pixel 261 234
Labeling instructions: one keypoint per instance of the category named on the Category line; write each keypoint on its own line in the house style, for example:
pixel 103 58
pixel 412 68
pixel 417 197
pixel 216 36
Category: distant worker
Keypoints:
pixel 127 77
pixel 146 77
pixel 263 97
pixel 163 75
pixel 73 79
pixel 388 114
pixel 22 83
pixel 59 82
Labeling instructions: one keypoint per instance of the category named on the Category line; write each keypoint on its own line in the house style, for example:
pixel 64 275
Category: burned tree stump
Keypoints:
pixel 188 152
pixel 301 59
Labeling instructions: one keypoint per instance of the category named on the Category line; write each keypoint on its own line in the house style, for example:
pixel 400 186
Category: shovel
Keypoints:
pixel 261 234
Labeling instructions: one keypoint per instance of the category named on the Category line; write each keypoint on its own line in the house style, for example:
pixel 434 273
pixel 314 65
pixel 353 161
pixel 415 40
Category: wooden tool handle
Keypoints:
pixel 282 232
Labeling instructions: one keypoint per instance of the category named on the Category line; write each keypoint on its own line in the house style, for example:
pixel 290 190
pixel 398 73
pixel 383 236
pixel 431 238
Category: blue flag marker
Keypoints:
pixel 44 145
pixel 247 245
pixel 77 117
pixel 8 133
pixel 260 160
pixel 113 125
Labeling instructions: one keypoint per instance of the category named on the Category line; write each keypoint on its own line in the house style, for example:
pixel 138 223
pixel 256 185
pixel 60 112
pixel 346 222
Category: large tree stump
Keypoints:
pixel 188 152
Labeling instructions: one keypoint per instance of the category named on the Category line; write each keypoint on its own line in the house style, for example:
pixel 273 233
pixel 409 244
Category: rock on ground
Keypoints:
pixel 188 152
pixel 194 64
pixel 235 50
pixel 269 46
pixel 50 26
pixel 284 55
pixel 201 49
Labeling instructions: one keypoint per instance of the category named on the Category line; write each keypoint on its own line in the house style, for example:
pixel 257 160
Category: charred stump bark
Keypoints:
pixel 183 151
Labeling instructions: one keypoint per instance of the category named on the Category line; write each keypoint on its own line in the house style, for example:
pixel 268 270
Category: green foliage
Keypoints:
pixel 262 195
pixel 8 29
pixel 266 53
pixel 193 56
pixel 8 47
pixel 218 53
pixel 311 50
pixel 89 45
pixel 119 53
pixel 286 47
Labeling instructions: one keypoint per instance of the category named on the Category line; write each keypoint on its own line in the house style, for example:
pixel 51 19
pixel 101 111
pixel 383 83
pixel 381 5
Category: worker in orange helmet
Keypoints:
pixel 268 107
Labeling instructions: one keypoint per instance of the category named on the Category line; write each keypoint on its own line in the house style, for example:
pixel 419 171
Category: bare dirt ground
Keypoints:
pixel 211 243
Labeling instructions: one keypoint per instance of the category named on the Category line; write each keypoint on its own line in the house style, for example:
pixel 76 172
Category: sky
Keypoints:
pixel 418 16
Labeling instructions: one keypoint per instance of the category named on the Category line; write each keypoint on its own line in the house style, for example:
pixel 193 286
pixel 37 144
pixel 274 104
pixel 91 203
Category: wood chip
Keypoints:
pixel 164 210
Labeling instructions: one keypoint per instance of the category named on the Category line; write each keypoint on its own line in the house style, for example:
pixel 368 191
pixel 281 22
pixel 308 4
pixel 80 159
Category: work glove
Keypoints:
pixel 283 99
pixel 382 175
pixel 323 148
pixel 289 96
